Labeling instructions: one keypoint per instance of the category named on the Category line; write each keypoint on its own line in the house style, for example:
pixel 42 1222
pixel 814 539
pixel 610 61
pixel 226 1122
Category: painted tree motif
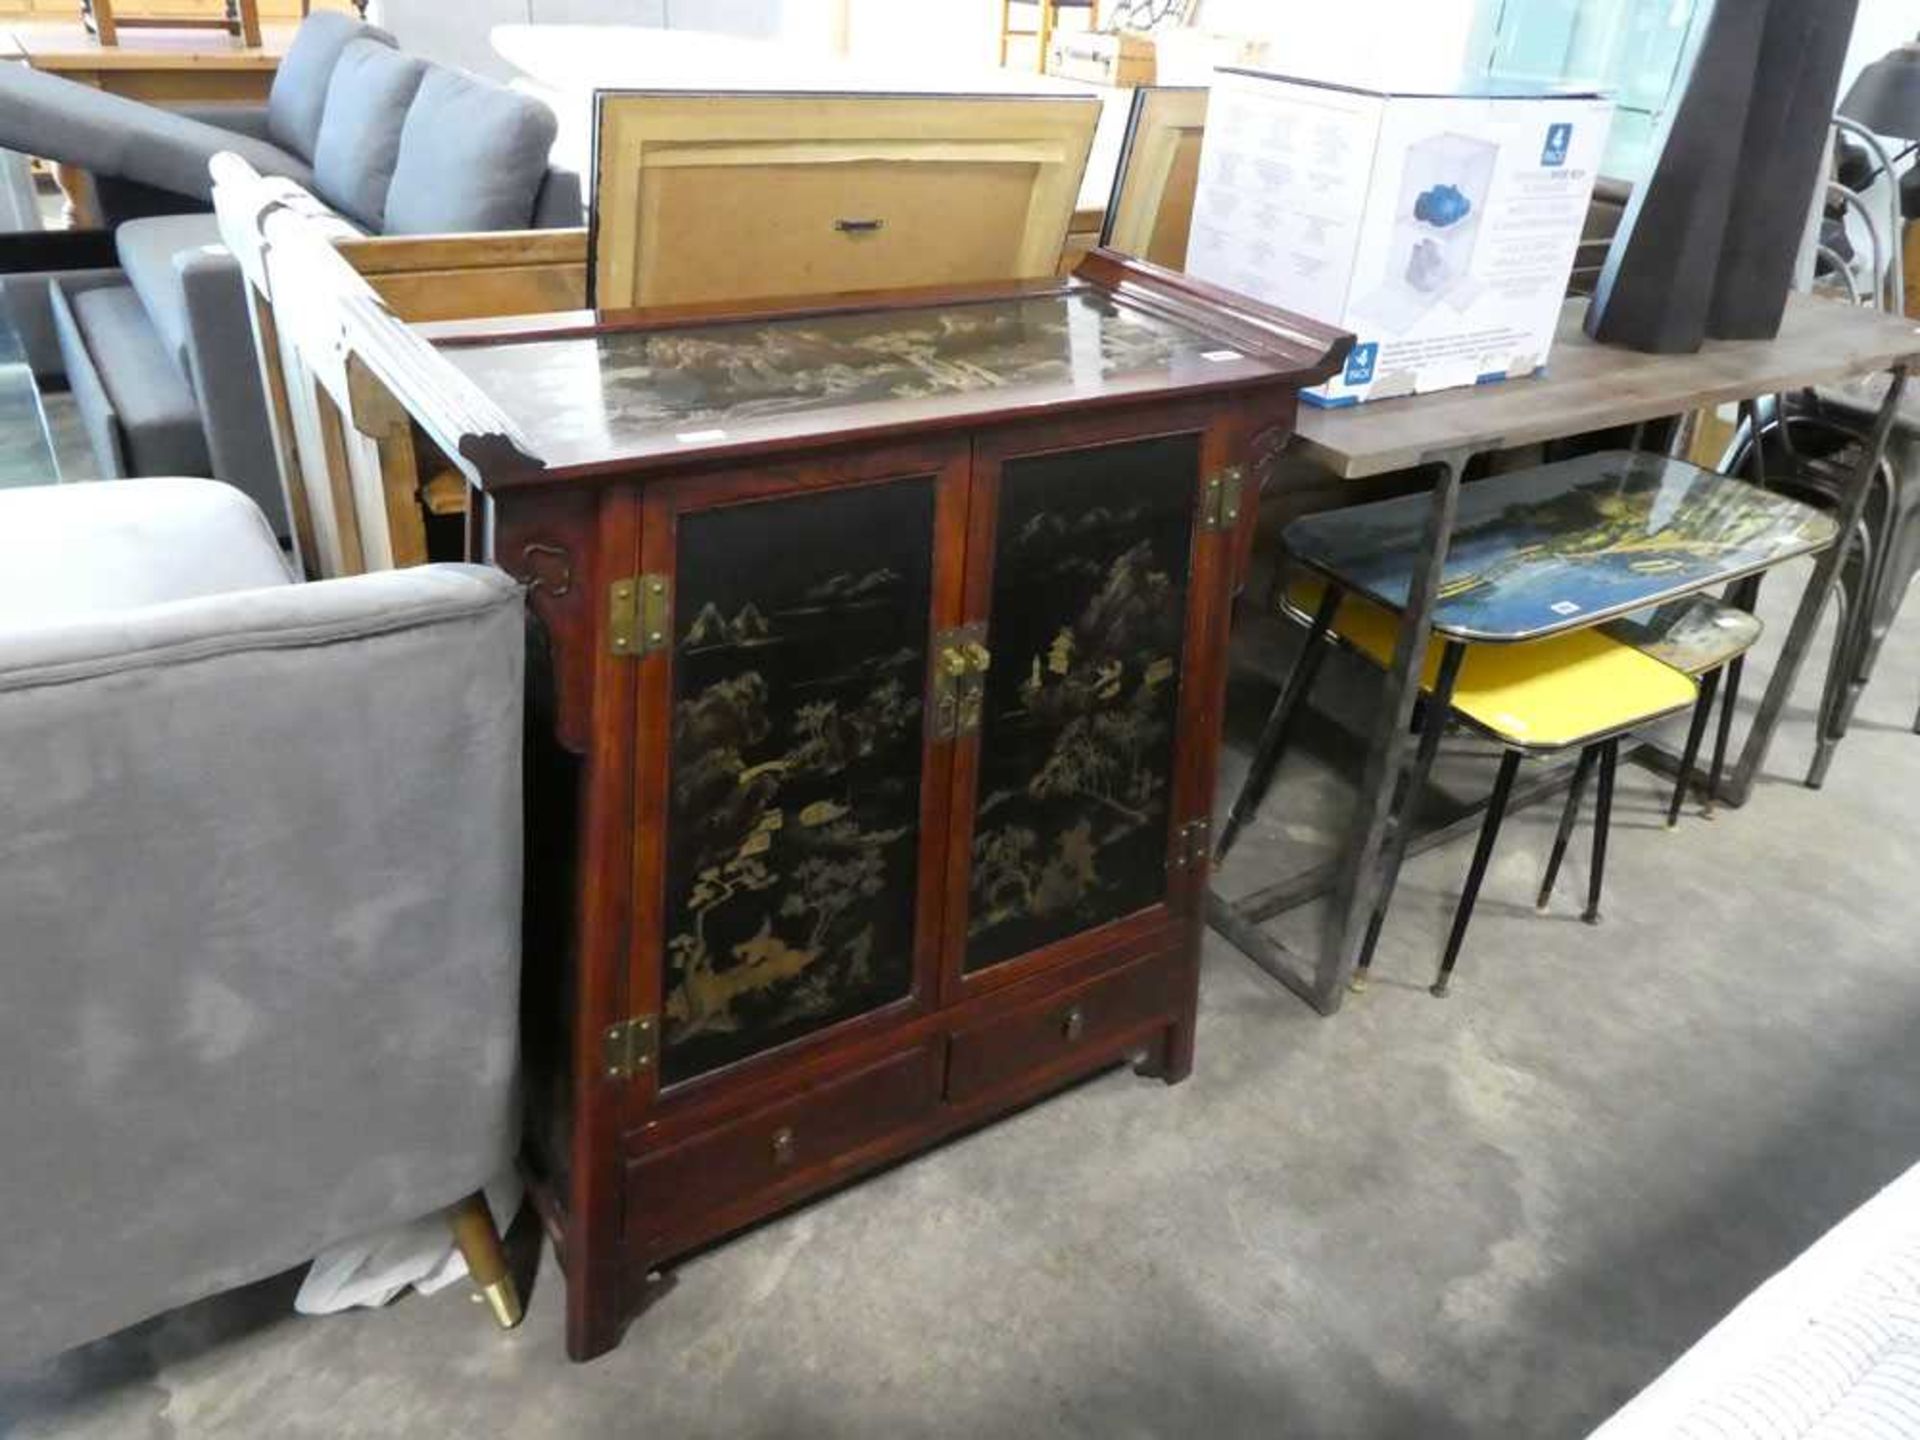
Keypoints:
pixel 728 789
pixel 1098 690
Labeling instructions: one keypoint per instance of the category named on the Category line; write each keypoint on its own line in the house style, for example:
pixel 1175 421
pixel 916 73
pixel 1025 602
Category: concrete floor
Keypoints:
pixel 1497 1215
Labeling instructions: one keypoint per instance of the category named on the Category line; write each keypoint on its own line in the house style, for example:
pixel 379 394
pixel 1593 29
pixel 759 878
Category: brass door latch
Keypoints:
pixel 959 690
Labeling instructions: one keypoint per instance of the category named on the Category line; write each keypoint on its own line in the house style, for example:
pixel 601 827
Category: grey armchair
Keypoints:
pixel 260 889
pixel 159 354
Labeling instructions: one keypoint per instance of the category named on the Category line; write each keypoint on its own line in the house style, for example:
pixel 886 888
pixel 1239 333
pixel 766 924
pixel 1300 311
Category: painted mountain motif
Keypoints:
pixel 1089 615
pixel 792 840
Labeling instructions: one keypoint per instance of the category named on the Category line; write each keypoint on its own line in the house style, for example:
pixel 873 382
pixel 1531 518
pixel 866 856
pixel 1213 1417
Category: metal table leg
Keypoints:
pixel 1358 891
pixel 1273 737
pixel 1806 620
pixel 1602 827
pixel 1439 709
pixel 1696 732
pixel 1476 873
pixel 1322 980
pixel 1569 817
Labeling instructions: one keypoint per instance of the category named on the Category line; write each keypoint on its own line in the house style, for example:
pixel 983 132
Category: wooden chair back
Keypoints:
pixel 357 491
pixel 1151 214
pixel 702 199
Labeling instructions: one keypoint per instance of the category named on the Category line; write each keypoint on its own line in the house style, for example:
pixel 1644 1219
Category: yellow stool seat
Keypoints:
pixel 1538 695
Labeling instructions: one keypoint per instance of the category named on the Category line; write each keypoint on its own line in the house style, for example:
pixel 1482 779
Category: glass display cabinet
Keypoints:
pixel 880 653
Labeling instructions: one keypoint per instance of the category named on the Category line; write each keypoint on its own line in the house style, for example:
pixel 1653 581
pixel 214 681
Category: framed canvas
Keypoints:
pixel 1151 212
pixel 704 198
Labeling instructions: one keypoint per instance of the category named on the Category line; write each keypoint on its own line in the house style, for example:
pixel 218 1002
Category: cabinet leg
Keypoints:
pixel 1172 1057
pixel 589 1336
pixel 599 1311
pixel 479 1241
pixel 1176 1057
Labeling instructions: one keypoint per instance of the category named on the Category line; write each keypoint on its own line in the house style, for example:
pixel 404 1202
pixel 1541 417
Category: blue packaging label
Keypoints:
pixel 1361 361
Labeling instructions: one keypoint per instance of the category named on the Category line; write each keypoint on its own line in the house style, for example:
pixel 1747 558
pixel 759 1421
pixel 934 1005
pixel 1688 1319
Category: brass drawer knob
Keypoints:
pixel 783 1145
pixel 1073 1023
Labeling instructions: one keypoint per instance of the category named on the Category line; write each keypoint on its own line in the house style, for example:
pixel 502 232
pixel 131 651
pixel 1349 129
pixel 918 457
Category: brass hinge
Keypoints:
pixel 638 614
pixel 959 687
pixel 629 1047
pixel 1190 845
pixel 1221 498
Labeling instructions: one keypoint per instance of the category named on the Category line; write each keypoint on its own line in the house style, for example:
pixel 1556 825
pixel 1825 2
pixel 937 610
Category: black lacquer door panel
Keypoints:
pixel 1077 741
pixel 799 662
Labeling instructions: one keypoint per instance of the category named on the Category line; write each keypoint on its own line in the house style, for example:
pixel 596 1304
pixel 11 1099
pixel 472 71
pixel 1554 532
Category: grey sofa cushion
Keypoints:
pixel 76 550
pixel 151 404
pixel 78 125
pixel 473 156
pixel 26 305
pixel 147 249
pixel 299 94
pixel 367 102
pixel 561 205
pixel 191 288
pixel 242 117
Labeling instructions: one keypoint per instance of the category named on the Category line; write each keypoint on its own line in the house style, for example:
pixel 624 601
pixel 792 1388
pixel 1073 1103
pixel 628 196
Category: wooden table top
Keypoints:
pixel 1565 546
pixel 68 46
pixel 1589 386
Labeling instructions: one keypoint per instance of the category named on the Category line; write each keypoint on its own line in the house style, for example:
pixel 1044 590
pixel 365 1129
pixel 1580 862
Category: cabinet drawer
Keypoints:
pixel 1077 1021
pixel 765 1149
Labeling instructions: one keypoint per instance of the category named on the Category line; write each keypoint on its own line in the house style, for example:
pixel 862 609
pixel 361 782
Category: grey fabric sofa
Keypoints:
pixel 160 355
pixel 260 879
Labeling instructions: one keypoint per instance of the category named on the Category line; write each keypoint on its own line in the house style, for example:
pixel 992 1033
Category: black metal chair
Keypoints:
pixel 1806 444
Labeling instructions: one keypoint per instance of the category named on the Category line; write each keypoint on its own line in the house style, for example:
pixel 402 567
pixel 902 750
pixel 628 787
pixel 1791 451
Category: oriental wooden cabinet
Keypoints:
pixel 880 652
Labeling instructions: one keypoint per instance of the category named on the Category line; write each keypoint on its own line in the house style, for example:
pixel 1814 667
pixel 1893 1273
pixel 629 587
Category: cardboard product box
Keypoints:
pixel 1440 229
pixel 1185 56
pixel 1102 57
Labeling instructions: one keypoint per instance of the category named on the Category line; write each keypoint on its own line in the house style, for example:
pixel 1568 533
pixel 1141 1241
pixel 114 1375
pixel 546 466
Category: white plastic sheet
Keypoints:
pixel 370 1270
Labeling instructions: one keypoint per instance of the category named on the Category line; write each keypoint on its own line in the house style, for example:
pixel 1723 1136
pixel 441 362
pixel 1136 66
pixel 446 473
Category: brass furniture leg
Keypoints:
pixel 479 1241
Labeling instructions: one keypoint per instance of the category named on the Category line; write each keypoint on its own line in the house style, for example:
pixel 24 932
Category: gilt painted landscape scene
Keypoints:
pixel 626 389
pixel 1077 743
pixel 799 661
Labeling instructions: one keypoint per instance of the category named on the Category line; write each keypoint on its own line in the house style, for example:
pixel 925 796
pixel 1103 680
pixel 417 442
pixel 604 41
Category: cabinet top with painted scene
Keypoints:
pixel 527 399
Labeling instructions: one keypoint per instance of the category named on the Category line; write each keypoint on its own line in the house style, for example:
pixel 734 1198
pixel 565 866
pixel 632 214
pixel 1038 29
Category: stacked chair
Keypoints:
pixel 1801 445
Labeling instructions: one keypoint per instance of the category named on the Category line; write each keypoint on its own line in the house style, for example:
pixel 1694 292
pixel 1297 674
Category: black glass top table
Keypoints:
pixel 1562 547
pixel 26 445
